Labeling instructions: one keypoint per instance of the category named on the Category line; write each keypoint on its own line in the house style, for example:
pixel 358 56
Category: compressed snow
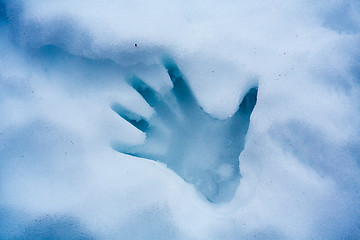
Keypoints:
pixel 64 63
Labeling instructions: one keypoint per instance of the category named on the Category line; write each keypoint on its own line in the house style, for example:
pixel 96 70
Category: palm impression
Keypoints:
pixel 201 149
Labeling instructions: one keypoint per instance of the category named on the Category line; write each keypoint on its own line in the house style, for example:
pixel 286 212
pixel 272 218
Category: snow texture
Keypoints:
pixel 201 149
pixel 179 119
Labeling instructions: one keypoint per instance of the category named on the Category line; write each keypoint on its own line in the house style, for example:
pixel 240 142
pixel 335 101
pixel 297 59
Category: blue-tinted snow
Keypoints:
pixel 65 66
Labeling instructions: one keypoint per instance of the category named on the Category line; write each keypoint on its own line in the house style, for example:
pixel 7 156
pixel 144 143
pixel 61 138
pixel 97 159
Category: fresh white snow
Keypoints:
pixel 64 63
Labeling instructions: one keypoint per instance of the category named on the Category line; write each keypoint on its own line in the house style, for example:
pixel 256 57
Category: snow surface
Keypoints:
pixel 64 63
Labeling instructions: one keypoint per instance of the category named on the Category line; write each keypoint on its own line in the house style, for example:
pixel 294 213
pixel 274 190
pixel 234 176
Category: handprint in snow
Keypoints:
pixel 201 149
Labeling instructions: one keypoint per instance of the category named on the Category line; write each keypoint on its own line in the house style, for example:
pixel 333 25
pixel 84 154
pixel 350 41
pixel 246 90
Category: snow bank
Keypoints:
pixel 62 64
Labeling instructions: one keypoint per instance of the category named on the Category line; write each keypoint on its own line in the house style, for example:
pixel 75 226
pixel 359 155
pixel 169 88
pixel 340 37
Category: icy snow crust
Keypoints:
pixel 69 69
